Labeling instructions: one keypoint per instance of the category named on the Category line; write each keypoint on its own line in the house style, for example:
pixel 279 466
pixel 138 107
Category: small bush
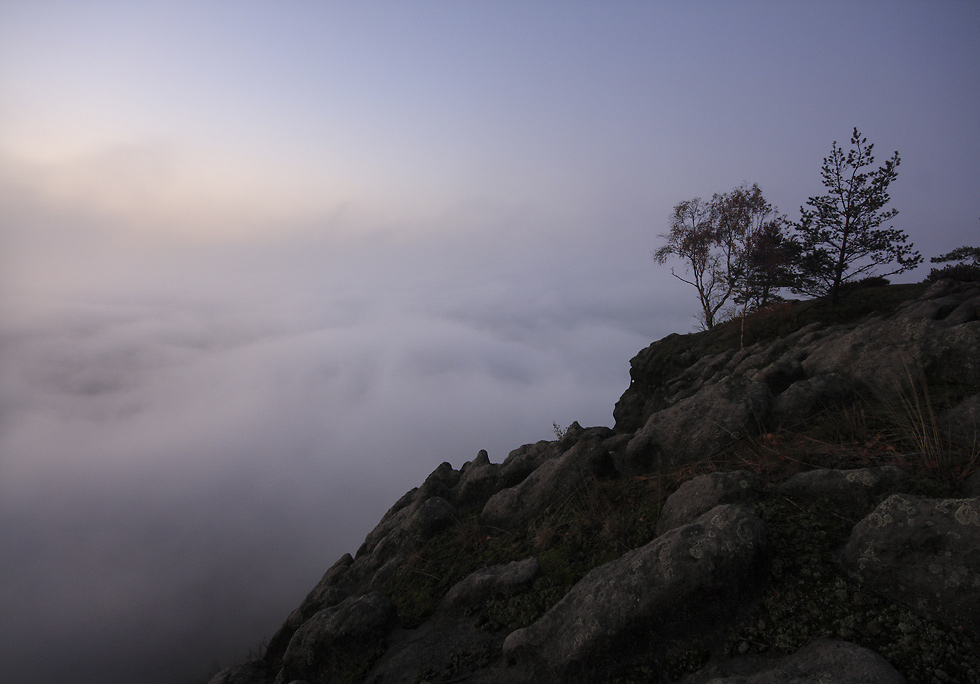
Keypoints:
pixel 969 273
pixel 870 281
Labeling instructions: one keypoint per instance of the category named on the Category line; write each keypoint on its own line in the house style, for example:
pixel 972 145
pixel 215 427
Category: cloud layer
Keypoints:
pixel 191 434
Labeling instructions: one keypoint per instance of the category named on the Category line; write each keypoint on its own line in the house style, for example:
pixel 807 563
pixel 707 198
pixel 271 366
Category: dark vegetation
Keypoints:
pixel 963 263
pixel 737 247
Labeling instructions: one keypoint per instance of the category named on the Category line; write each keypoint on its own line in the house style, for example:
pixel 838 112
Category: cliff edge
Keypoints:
pixel 804 507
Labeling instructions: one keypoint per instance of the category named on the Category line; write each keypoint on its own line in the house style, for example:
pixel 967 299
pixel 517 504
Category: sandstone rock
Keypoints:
pixel 440 482
pixel 484 584
pixel 649 372
pixel 703 424
pixel 409 524
pixel 524 460
pixel 482 459
pixel 444 644
pixel 962 423
pixel 971 487
pixel 702 493
pixel 855 492
pixel 251 672
pixel 425 520
pixel 933 309
pixel 780 374
pixel 676 588
pixel 805 398
pixel 880 354
pixel 548 484
pixel 323 595
pixel 926 551
pixel 965 312
pixel 338 638
pixel 478 483
pixel 825 660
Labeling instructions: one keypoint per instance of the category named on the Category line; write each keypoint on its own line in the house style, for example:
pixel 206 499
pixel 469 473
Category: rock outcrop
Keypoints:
pixel 667 595
pixel 579 559
pixel 925 549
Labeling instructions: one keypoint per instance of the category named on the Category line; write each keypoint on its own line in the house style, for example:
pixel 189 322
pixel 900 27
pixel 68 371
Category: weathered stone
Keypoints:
pixel 962 423
pixel 425 519
pixel 524 460
pixel 447 643
pixel 933 309
pixel 440 482
pixel 325 594
pixel 703 424
pixel 251 672
pixel 854 492
pixel 965 312
pixel 484 584
pixel 971 487
pixel 926 551
pixel 478 483
pixel 805 398
pixel 880 354
pixel 551 482
pixel 824 660
pixel 338 638
pixel 410 524
pixel 702 493
pixel 780 374
pixel 678 587
pixel 650 371
pixel 482 459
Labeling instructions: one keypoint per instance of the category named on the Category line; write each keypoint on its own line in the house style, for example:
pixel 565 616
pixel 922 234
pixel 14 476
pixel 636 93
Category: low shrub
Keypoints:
pixel 870 281
pixel 969 273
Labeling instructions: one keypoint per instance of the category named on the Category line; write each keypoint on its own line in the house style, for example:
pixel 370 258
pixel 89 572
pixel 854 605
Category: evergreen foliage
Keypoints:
pixel 839 238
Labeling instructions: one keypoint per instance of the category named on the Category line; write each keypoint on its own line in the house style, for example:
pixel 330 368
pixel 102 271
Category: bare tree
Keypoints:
pixel 692 238
pixel 720 243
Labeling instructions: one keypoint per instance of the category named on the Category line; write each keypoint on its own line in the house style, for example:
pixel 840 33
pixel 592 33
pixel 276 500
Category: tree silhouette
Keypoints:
pixel 838 238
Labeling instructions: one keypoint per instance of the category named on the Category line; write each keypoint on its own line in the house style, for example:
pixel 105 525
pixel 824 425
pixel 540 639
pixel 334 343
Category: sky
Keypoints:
pixel 264 266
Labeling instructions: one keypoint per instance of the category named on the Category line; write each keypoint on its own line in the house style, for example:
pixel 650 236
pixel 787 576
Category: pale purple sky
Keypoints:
pixel 263 266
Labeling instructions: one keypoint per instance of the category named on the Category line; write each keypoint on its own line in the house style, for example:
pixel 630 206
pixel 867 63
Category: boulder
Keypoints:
pixel 650 371
pixel 251 672
pixel 805 398
pixel 485 583
pixel 702 493
pixel 962 423
pixel 673 591
pixel 480 480
pixel 524 460
pixel 855 492
pixel 323 595
pixel 880 353
pixel 824 660
pixel 701 425
pixel 440 482
pixel 445 648
pixel 971 486
pixel 339 638
pixel 780 374
pixel 424 520
pixel 548 484
pixel 925 551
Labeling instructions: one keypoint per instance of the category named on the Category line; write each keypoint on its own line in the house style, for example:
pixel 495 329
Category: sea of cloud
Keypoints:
pixel 192 432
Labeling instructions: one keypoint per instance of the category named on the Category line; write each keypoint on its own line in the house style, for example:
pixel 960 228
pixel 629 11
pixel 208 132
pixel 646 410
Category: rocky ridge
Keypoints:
pixel 698 540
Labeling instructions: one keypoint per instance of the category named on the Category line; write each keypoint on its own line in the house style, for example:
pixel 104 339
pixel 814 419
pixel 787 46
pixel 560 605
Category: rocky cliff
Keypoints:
pixel 803 509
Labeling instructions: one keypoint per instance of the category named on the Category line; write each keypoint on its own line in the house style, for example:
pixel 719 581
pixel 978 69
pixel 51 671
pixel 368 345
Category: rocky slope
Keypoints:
pixel 803 509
